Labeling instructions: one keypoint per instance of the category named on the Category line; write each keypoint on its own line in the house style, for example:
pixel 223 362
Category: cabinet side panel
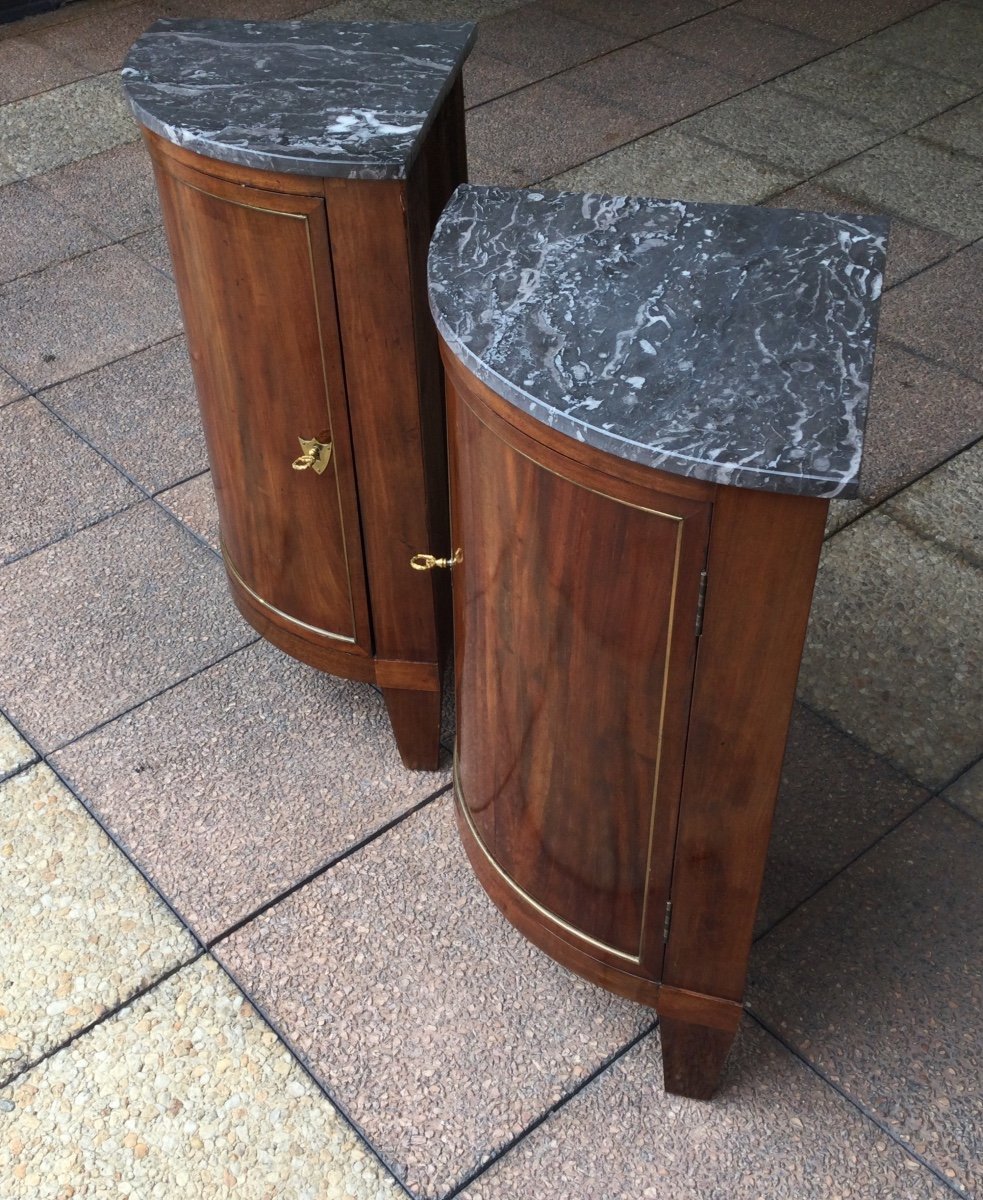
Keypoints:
pixel 255 288
pixel 572 684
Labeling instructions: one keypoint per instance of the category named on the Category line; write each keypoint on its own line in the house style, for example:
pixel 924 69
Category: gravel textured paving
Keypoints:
pixel 186 1093
pixel 14 751
pixel 193 503
pixel 82 931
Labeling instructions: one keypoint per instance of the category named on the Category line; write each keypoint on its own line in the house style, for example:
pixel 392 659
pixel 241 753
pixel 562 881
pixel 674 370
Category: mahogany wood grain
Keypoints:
pixel 764 554
pixel 693 1057
pixel 575 625
pixel 271 374
pixel 168 155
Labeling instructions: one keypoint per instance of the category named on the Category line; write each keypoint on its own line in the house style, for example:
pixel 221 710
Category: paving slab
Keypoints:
pixel 939 312
pixel 790 133
pixel 10 389
pixel 141 412
pixel 657 85
pixel 633 18
pixel 878 982
pixel 862 83
pixel 946 506
pixel 448 10
pixel 959 129
pixel 916 180
pixel 193 503
pixel 41 501
pixel 185 1093
pixel 81 314
pixel 739 45
pixel 101 41
pixel 15 753
pixel 76 10
pixel 839 21
pixel 487 77
pixel 64 125
pixel 35 233
pixel 910 248
pixel 561 127
pixel 113 190
pixel 670 165
pixel 151 246
pixel 542 40
pixel 967 792
pixel 239 783
pixel 441 1030
pixel 27 68
pixel 769 1132
pixel 82 930
pixel 106 619
pixel 890 656
pixel 945 38
pixel 836 799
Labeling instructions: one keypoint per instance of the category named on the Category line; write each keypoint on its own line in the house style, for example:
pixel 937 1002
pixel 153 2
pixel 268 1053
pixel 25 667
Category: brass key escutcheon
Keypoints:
pixel 427 562
pixel 316 454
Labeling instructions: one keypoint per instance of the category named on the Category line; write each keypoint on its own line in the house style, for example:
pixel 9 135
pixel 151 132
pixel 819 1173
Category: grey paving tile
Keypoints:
pixel 543 41
pixel 939 312
pixel 890 655
pixel 658 86
pixel 141 412
pixel 241 781
pixel 193 503
pixel 27 68
pixel 670 165
pixel 101 40
pixel 634 18
pixel 891 95
pixel 561 127
pixel 35 233
pixel 64 125
pixel 791 133
pixel 967 792
pixel 10 389
pixel 920 414
pixel 945 38
pixel 82 930
pixel 239 10
pixel 53 483
pixel 877 980
pixel 186 1092
pixel 910 248
pixel 487 77
pixel 73 11
pixel 81 314
pixel 960 129
pixel 440 1029
pixel 836 800
pixel 346 10
pixel 449 10
pixel 839 21
pixel 113 190
pixel 151 246
pixel 14 751
pixel 947 505
pixel 106 619
pixel 769 1132
pixel 739 45
pixel 919 181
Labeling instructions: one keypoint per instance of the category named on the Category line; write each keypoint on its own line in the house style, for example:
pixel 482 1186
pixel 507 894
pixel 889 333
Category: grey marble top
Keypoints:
pixel 727 343
pixel 348 99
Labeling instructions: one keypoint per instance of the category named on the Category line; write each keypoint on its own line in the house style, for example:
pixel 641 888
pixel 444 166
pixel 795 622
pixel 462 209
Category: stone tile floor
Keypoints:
pixel 225 973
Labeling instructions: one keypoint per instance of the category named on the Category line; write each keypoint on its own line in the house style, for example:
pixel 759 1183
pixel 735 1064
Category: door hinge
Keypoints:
pixel 700 602
pixel 667 922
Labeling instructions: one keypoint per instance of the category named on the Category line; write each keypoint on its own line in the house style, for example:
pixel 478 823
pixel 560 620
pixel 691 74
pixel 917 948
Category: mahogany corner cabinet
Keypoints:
pixel 649 405
pixel 301 168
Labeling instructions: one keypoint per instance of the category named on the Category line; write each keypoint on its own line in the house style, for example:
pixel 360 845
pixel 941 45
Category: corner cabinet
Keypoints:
pixel 634 565
pixel 298 212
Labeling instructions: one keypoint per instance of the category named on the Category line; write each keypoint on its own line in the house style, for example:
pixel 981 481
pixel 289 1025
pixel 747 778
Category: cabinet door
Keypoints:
pixel 254 276
pixel 575 627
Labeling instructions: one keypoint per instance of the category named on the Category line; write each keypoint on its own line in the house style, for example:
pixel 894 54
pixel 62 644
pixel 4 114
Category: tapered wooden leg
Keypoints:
pixel 693 1057
pixel 415 718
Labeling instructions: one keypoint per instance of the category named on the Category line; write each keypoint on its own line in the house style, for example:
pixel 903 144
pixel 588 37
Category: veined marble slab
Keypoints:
pixel 718 341
pixel 348 99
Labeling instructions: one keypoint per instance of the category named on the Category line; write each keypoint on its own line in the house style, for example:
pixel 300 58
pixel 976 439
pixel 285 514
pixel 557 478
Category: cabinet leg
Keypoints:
pixel 415 718
pixel 693 1057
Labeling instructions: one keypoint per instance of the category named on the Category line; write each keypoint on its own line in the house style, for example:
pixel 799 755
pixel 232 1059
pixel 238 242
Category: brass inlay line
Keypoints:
pixel 339 637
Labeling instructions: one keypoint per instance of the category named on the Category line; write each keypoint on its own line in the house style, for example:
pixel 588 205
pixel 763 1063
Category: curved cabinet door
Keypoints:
pixel 575 623
pixel 253 271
